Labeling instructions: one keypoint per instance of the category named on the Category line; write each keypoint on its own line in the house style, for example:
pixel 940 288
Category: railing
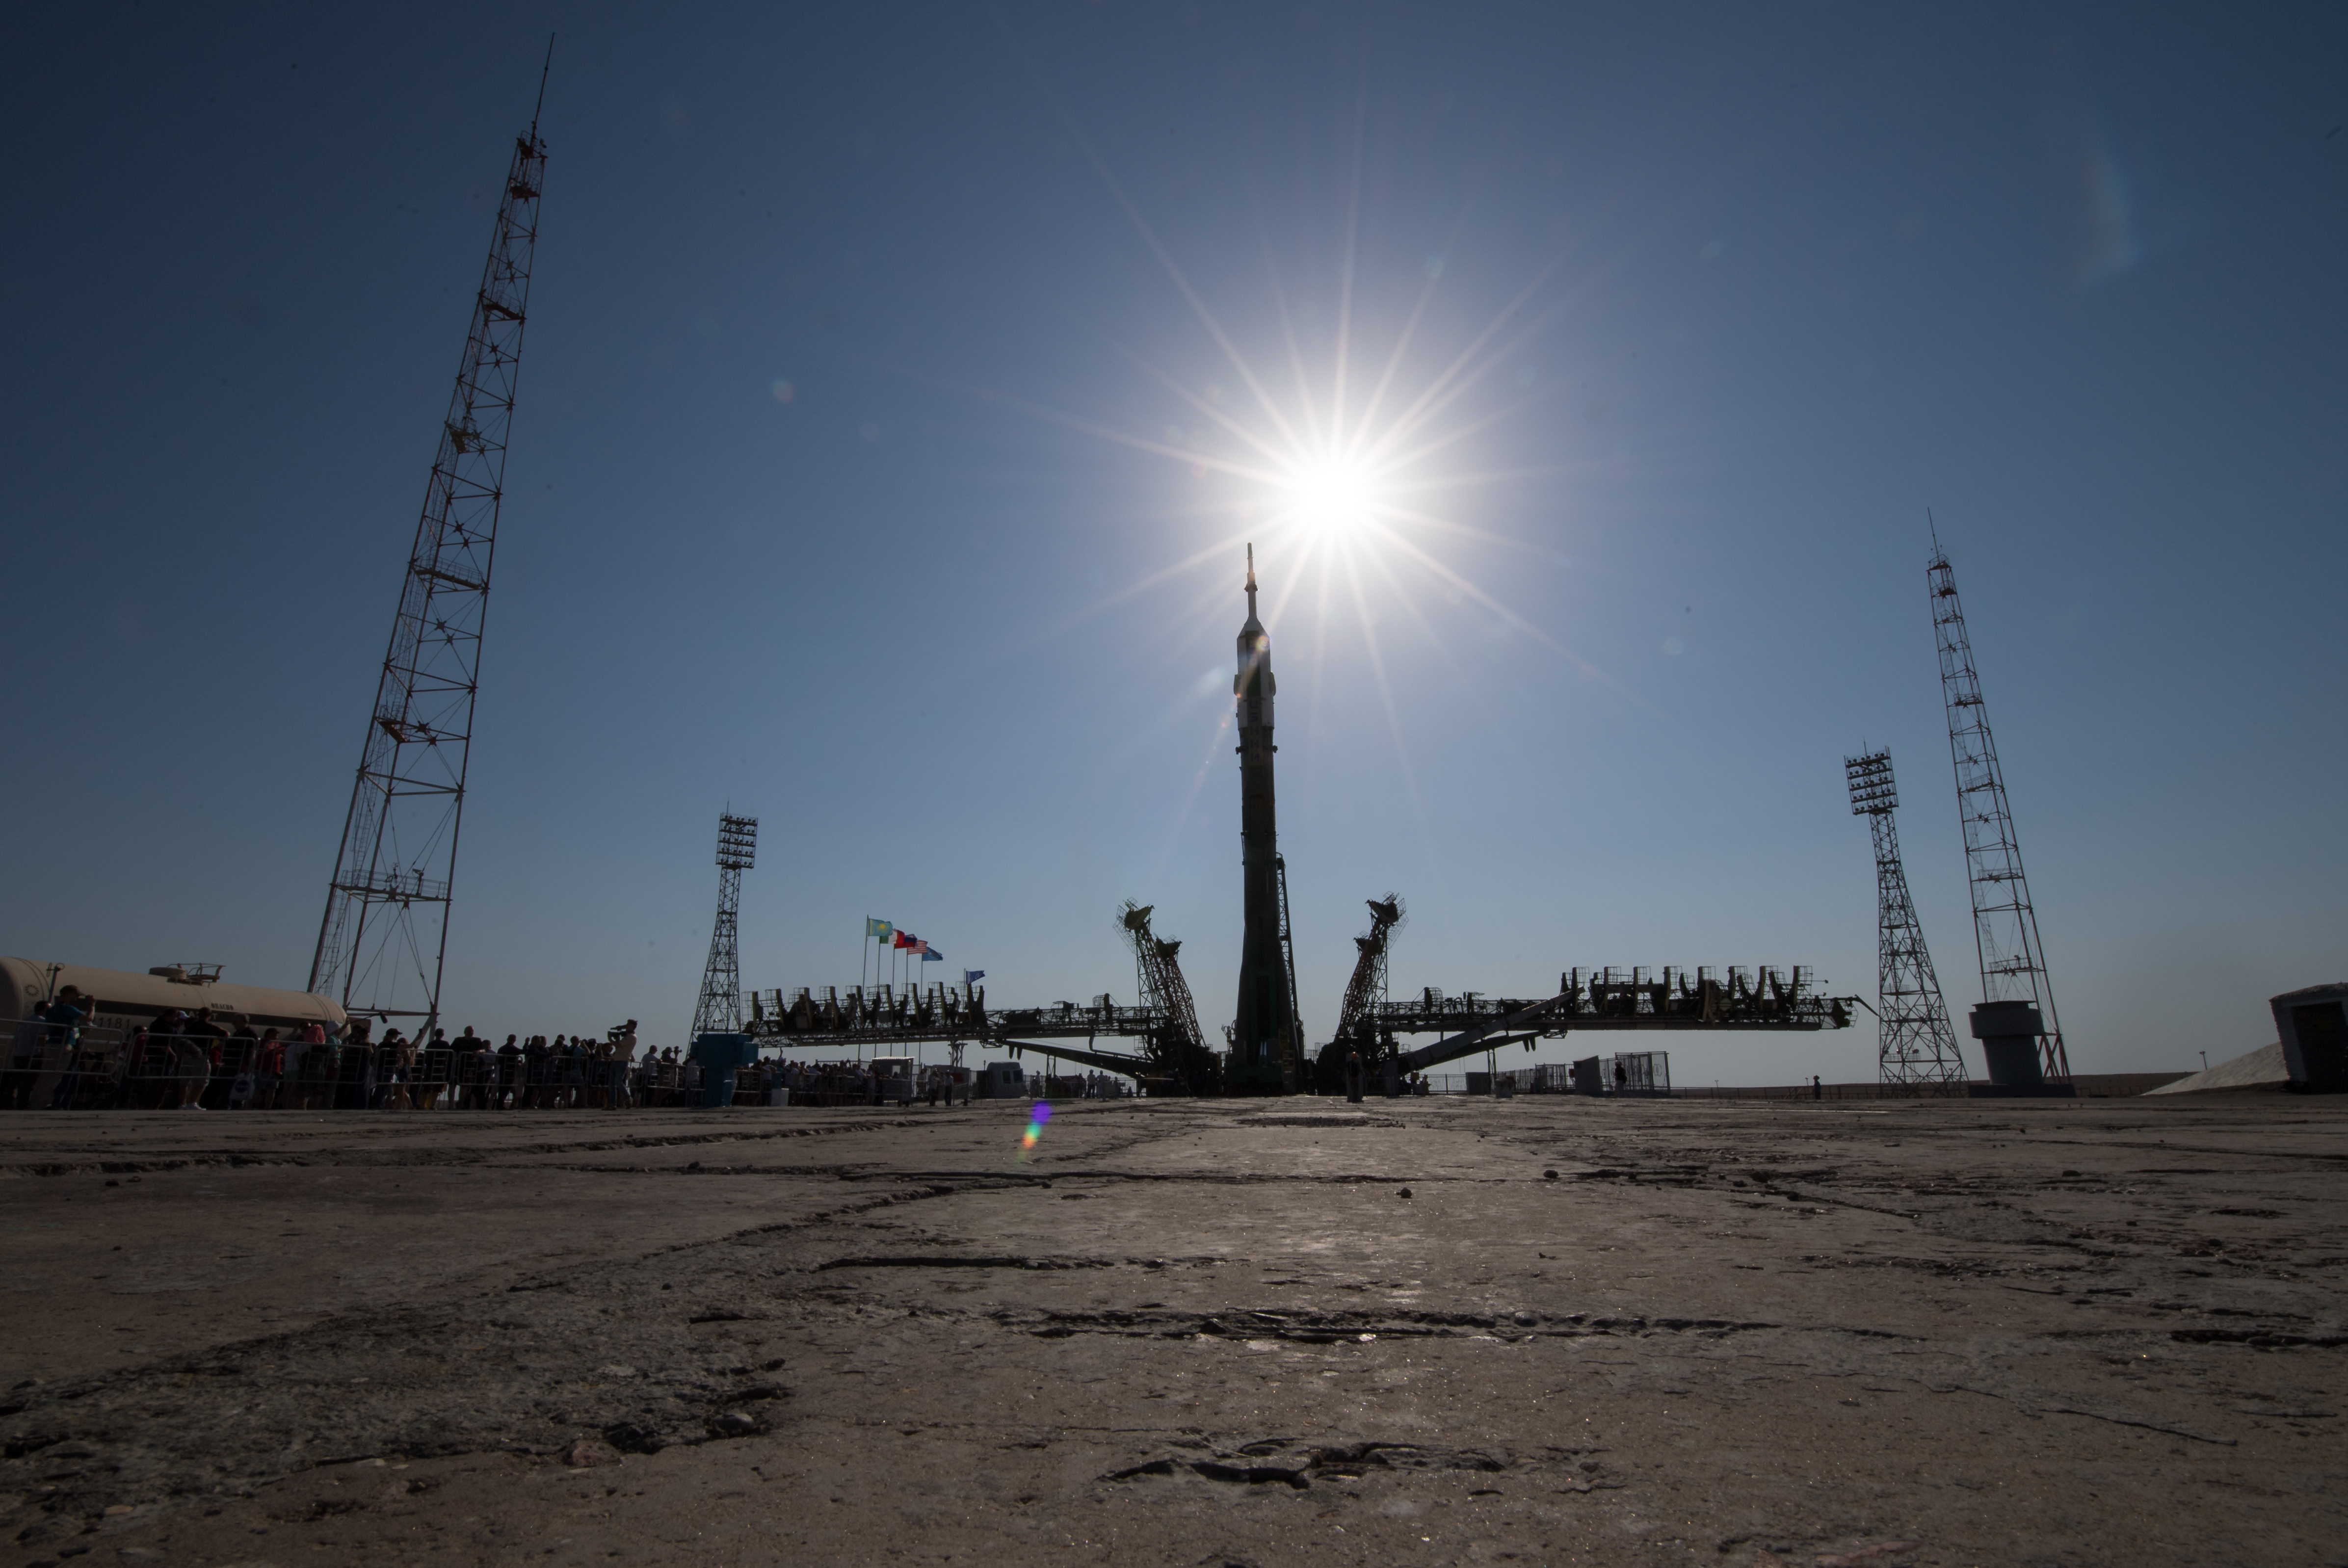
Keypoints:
pixel 92 1067
pixel 58 1065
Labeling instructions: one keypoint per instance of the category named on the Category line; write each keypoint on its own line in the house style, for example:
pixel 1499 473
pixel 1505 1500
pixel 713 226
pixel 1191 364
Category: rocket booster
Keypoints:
pixel 1261 1034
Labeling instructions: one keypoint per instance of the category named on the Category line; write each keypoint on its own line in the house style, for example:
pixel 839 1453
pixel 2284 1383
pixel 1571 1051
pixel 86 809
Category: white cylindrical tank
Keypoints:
pixel 127 1000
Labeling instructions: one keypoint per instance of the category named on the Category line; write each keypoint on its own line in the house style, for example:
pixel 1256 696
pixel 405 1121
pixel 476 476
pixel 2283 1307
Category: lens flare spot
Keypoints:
pixel 1036 1118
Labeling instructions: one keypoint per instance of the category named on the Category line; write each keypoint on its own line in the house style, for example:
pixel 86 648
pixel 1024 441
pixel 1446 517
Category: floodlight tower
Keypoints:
pixel 1916 1045
pixel 2017 1023
pixel 719 1011
pixel 384 937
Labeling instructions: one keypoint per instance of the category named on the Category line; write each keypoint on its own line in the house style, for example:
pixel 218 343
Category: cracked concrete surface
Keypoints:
pixel 1429 1331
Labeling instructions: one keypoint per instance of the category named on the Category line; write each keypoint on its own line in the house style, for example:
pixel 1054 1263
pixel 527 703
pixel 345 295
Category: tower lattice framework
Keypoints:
pixel 1157 972
pixel 1367 988
pixel 1916 1045
pixel 385 937
pixel 719 1011
pixel 2006 927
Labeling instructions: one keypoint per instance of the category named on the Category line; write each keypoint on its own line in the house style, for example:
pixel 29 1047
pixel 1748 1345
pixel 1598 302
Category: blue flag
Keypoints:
pixel 972 977
pixel 930 957
pixel 877 930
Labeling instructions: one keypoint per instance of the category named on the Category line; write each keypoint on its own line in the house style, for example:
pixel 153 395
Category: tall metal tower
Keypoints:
pixel 2016 1022
pixel 1915 1044
pixel 719 1011
pixel 384 937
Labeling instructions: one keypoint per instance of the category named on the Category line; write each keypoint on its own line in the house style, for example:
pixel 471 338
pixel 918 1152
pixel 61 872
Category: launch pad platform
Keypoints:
pixel 881 1019
pixel 1187 1331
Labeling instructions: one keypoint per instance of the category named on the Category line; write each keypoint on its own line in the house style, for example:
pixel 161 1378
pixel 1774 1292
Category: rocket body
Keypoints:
pixel 1261 1034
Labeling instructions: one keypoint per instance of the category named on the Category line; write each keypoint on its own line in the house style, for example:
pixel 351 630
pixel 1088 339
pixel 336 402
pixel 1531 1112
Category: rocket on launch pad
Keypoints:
pixel 1262 1041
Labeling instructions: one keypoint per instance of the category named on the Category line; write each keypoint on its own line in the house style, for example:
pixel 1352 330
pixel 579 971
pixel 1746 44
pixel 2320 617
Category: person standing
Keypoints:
pixel 64 1017
pixel 191 1061
pixel 158 1062
pixel 268 1071
pixel 508 1094
pixel 533 1069
pixel 196 1053
pixel 399 1067
pixel 465 1069
pixel 240 1065
pixel 623 1063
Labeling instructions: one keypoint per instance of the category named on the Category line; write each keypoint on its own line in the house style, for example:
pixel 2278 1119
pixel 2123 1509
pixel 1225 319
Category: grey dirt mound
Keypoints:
pixel 1897 1332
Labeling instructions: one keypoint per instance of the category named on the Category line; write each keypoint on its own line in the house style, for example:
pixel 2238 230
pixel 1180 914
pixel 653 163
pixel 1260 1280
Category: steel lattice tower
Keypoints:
pixel 1157 972
pixel 1367 988
pixel 2005 928
pixel 385 937
pixel 1916 1045
pixel 719 1011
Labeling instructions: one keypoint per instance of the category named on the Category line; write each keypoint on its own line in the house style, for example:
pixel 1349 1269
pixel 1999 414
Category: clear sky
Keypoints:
pixel 1711 304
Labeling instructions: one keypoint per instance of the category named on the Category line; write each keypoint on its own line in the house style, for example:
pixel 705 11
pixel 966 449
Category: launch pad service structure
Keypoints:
pixel 1267 1052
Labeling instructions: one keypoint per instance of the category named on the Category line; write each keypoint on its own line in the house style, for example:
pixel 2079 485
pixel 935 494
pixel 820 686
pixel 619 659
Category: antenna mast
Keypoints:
pixel 719 1011
pixel 2016 1022
pixel 1916 1045
pixel 385 937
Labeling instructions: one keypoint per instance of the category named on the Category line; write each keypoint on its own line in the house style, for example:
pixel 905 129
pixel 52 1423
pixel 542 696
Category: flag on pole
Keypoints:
pixel 919 946
pixel 877 930
pixel 972 977
pixel 930 957
pixel 901 939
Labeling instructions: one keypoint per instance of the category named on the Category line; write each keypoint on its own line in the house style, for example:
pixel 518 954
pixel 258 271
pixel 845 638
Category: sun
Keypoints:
pixel 1332 497
pixel 1347 471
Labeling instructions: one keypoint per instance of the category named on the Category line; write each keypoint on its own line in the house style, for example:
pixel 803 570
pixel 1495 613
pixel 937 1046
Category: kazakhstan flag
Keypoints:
pixel 877 930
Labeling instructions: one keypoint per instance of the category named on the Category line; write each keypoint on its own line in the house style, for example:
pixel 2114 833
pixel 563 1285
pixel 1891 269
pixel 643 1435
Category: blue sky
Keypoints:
pixel 954 621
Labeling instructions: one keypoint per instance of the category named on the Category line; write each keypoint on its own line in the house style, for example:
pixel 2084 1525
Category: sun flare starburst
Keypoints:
pixel 1347 470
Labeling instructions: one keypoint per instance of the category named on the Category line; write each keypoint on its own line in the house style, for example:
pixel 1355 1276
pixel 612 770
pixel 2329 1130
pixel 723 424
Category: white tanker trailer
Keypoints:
pixel 127 1000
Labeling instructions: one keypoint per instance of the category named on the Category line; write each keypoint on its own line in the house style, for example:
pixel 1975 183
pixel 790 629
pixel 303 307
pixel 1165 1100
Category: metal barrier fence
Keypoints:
pixel 55 1067
pixel 91 1067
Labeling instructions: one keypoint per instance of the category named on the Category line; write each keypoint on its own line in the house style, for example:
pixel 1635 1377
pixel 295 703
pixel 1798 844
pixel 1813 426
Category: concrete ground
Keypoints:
pixel 1427 1331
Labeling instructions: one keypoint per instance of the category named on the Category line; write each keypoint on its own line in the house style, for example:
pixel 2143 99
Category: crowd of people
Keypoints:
pixel 192 1060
